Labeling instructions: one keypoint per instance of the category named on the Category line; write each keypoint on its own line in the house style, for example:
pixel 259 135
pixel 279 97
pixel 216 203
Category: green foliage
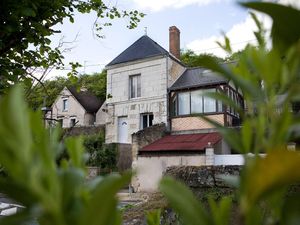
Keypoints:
pixel 269 81
pixel 184 203
pixel 153 217
pixel 191 59
pixel 27 25
pixel 100 154
pixel 50 193
pixel 95 83
pixel 45 95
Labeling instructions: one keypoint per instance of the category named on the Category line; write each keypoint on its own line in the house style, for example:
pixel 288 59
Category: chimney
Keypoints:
pixel 174 41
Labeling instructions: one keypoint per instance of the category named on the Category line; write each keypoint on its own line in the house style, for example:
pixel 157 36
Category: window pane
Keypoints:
pixel 220 106
pixel 65 104
pixel 196 102
pixel 145 122
pixel 150 120
pixel 219 103
pixel 135 86
pixel 209 103
pixel 138 78
pixel 184 103
pixel 174 106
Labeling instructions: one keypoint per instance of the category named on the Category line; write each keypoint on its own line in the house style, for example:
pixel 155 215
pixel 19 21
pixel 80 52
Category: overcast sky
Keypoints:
pixel 201 23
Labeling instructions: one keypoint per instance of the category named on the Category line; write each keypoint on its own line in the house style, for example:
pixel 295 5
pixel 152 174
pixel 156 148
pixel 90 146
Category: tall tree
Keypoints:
pixel 191 59
pixel 25 28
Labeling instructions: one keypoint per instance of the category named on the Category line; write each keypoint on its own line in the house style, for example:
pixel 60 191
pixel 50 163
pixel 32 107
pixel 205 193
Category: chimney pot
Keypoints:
pixel 174 41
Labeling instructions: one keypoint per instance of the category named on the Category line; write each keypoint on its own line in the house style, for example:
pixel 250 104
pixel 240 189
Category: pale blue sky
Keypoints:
pixel 200 23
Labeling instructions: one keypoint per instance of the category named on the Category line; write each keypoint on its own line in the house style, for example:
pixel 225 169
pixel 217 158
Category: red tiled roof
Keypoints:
pixel 183 142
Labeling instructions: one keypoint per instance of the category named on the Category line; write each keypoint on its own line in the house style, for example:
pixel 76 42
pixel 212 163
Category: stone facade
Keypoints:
pixel 85 130
pixel 74 110
pixel 157 74
pixel 145 137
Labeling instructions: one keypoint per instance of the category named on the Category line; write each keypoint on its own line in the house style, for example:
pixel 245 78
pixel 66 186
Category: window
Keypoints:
pixel 72 122
pixel 209 103
pixel 65 104
pixel 135 86
pixel 174 105
pixel 184 103
pixel 146 120
pixel 193 102
pixel 196 101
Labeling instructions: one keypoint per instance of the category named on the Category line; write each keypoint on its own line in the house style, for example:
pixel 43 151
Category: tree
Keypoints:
pixel 46 93
pixel 191 59
pixel 95 83
pixel 25 28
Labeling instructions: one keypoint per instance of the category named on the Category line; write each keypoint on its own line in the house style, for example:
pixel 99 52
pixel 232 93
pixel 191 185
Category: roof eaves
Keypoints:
pixel 198 86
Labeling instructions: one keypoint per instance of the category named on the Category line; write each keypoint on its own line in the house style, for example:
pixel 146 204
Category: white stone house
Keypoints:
pixel 137 86
pixel 75 108
pixel 148 85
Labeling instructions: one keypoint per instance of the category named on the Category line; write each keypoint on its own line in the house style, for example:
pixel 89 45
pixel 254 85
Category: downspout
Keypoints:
pixel 167 95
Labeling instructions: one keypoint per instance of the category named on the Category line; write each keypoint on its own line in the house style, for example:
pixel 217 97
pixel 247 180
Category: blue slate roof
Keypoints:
pixel 143 48
pixel 197 77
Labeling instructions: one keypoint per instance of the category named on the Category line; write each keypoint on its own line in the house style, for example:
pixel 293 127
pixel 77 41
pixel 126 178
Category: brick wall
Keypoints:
pixel 195 123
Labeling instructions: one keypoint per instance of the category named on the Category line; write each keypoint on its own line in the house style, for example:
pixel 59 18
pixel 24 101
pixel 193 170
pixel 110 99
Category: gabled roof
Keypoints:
pixel 88 100
pixel 197 77
pixel 183 143
pixel 143 48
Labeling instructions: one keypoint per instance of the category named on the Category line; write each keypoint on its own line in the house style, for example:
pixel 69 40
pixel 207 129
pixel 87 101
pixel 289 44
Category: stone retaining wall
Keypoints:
pixel 86 130
pixel 203 176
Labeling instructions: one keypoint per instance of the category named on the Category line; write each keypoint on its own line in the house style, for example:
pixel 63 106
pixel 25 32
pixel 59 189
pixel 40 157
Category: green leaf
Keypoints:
pixel 28 12
pixel 75 150
pixel 220 212
pixel 291 209
pixel 225 71
pixel 285 28
pixel 103 202
pixel 153 217
pixel 265 175
pixel 184 202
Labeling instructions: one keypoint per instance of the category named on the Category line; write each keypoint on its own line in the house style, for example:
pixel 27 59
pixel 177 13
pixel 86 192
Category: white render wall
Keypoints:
pixel 150 169
pixel 75 110
pixel 152 100
pixel 155 78
pixel 101 115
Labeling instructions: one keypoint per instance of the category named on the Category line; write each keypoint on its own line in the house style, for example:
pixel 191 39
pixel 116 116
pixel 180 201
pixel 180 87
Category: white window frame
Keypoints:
pixel 65 104
pixel 148 120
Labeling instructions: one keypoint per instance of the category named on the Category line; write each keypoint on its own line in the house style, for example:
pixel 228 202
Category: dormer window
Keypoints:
pixel 65 104
pixel 135 86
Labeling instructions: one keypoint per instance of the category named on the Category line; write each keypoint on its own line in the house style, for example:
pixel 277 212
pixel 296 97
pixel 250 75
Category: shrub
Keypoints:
pixel 100 154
